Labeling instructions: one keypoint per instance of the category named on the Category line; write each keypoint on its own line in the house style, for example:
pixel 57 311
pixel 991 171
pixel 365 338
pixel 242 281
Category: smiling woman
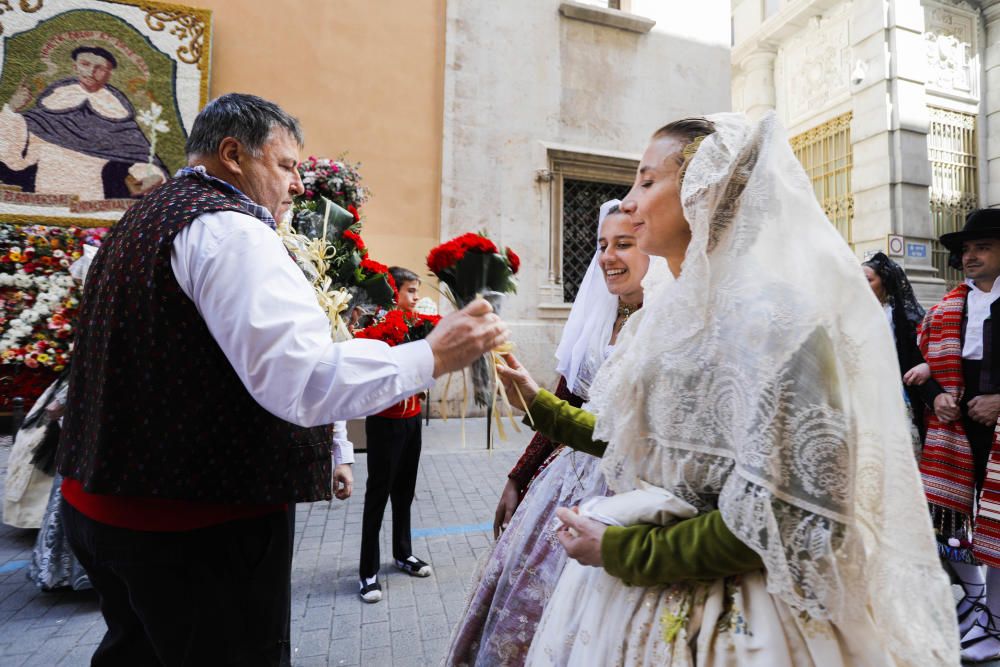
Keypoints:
pixel 507 601
pixel 623 265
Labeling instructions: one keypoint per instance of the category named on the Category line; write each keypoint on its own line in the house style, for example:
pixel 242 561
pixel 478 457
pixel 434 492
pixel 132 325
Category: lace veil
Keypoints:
pixel 764 382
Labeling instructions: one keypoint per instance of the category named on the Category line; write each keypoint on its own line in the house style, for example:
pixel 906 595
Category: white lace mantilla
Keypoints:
pixel 764 382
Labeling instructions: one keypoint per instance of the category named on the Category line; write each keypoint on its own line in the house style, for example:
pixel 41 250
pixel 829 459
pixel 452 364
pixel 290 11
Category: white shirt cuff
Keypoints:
pixel 416 363
pixel 343 452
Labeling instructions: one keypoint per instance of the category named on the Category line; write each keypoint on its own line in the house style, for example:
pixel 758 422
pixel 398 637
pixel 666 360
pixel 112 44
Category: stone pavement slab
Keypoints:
pixel 457 490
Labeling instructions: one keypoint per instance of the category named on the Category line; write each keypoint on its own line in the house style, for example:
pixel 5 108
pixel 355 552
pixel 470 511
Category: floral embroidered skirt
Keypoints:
pixel 518 576
pixel 594 620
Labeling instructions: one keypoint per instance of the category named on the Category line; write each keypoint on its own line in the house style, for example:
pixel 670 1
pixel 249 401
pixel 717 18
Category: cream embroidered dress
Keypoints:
pixel 762 383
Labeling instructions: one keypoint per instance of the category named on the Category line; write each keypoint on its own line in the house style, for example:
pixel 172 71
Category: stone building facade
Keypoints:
pixel 889 105
pixel 547 108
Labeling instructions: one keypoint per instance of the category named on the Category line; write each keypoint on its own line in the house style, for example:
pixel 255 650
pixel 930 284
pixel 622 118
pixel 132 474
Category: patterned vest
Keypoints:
pixel 154 408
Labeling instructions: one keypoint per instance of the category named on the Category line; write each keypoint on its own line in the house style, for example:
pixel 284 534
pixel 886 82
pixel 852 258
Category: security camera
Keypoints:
pixel 859 73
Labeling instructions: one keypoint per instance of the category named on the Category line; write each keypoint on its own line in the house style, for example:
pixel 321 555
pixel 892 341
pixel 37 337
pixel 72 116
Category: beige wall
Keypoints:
pixel 363 77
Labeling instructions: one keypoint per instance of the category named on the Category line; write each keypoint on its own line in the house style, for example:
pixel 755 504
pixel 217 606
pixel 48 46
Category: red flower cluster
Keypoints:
pixel 355 238
pixel 513 261
pixel 392 329
pixel 449 253
pixel 373 267
pixel 353 210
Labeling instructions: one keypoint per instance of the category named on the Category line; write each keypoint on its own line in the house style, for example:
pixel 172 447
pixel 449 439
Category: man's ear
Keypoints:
pixel 230 153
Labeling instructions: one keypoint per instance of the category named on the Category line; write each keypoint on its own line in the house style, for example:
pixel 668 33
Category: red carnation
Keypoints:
pixel 371 266
pixel 451 252
pixel 355 238
pixel 392 329
pixel 513 260
pixel 392 283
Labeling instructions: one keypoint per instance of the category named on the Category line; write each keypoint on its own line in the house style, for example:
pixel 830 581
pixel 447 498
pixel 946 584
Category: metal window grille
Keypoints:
pixel 826 154
pixel 581 204
pixel 953 154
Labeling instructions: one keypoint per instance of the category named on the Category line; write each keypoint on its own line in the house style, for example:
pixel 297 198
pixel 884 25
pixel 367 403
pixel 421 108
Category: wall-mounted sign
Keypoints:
pixel 918 250
pixel 896 246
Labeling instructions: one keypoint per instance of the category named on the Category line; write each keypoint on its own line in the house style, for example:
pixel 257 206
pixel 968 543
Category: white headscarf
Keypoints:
pixel 584 343
pixel 764 382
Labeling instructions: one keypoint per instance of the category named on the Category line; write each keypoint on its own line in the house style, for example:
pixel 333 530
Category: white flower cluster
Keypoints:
pixel 52 290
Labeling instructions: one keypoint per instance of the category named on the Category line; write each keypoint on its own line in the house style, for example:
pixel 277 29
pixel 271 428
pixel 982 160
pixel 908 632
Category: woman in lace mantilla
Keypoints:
pixel 904 313
pixel 768 509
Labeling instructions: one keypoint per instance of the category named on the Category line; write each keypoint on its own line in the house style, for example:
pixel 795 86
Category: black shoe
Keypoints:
pixel 372 592
pixel 415 567
pixel 990 631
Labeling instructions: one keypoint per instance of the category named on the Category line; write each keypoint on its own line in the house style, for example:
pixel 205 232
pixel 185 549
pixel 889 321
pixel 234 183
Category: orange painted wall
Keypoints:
pixel 363 77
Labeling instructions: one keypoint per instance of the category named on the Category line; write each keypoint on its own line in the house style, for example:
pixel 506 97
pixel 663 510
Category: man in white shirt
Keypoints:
pixel 203 374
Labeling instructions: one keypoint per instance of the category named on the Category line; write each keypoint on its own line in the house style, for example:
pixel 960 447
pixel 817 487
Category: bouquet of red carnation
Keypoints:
pixel 325 240
pixel 471 266
pixel 420 325
pixel 397 327
pixel 392 329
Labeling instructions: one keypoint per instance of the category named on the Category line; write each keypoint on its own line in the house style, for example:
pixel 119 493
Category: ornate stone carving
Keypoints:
pixel 950 39
pixel 816 67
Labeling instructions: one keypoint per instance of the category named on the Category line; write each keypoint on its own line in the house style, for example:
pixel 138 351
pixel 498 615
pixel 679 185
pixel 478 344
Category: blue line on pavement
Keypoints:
pixel 13 566
pixel 451 530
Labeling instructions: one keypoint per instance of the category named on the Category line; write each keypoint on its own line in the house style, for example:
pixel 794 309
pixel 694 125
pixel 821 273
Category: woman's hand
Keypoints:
pixel 510 498
pixel 516 379
pixel 917 375
pixel 581 536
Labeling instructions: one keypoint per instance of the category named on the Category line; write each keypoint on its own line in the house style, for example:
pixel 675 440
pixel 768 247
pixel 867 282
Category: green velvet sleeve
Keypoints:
pixel 559 421
pixel 702 548
pixel 698 549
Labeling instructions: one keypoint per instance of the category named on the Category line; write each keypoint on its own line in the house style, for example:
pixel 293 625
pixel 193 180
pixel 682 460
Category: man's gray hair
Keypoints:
pixel 247 118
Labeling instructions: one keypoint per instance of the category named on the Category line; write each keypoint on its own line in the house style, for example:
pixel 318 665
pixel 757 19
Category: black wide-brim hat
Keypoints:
pixel 983 223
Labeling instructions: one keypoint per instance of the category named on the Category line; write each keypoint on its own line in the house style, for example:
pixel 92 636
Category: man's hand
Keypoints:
pixel 461 338
pixel 343 481
pixel 509 500
pixel 917 375
pixel 581 536
pixel 985 409
pixel 516 379
pixel 946 408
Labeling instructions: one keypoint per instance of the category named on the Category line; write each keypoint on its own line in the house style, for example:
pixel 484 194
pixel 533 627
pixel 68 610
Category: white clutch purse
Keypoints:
pixel 647 504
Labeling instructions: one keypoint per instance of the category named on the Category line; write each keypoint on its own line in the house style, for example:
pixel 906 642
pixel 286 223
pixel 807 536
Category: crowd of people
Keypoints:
pixel 747 461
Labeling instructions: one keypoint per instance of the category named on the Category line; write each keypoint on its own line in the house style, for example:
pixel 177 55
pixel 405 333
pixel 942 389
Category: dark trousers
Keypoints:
pixel 212 596
pixel 393 457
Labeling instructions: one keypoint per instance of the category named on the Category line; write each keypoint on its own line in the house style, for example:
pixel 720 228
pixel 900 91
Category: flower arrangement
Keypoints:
pixel 471 266
pixel 38 298
pixel 329 209
pixel 397 327
pixel 337 180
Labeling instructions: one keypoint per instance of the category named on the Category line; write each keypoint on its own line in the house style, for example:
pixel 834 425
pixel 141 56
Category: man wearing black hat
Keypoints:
pixel 960 338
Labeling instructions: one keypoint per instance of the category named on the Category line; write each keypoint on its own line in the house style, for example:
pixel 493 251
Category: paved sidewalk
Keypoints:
pixel 457 492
